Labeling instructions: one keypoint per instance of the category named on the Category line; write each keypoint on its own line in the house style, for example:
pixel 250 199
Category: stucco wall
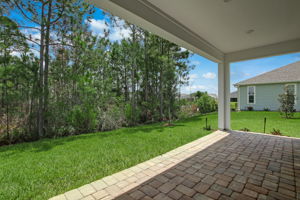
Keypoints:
pixel 266 97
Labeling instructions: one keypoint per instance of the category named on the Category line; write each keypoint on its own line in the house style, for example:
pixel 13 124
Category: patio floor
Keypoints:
pixel 221 165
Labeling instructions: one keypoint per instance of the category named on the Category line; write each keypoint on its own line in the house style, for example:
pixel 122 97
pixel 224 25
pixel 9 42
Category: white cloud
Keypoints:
pixel 98 25
pixel 198 87
pixel 117 33
pixel 35 53
pixel 15 53
pixel 246 74
pixel 18 53
pixel 32 34
pixel 195 62
pixel 192 77
pixel 209 75
pixel 182 49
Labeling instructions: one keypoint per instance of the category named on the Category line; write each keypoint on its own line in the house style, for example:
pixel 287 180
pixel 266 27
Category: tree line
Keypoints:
pixel 70 81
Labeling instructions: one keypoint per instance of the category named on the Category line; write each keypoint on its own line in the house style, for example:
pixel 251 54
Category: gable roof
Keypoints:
pixel 285 74
pixel 234 94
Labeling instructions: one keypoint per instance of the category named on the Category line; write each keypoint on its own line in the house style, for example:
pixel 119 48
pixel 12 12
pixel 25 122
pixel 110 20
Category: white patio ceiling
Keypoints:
pixel 217 29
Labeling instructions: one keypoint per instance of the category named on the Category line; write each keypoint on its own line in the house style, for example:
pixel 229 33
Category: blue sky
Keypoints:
pixel 201 77
pixel 204 76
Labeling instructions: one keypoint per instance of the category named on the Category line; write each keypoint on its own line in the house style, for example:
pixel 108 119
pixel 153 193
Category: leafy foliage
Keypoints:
pixel 245 129
pixel 80 82
pixel 249 108
pixel 276 132
pixel 233 106
pixel 206 103
pixel 287 104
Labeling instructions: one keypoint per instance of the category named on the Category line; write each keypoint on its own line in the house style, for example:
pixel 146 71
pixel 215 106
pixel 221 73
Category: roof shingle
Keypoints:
pixel 285 74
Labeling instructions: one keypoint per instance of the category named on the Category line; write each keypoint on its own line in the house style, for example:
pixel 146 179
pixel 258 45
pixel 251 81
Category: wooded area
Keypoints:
pixel 80 82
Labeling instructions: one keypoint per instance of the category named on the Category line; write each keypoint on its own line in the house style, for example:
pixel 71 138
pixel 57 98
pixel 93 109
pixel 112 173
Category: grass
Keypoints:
pixel 42 169
pixel 254 120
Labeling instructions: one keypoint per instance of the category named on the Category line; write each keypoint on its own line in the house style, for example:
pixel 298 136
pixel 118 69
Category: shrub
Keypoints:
pixel 287 101
pixel 208 128
pixel 64 130
pixel 132 115
pixel 233 106
pixel 207 104
pixel 112 118
pixel 83 118
pixel 276 132
pixel 250 108
pixel 245 129
pixel 266 109
pixel 16 130
pixel 187 111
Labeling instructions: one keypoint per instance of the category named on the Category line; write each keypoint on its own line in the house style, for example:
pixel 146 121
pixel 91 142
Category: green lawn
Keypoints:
pixel 42 169
pixel 254 120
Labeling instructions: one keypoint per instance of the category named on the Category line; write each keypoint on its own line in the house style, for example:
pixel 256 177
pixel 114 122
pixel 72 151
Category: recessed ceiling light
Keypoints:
pixel 249 31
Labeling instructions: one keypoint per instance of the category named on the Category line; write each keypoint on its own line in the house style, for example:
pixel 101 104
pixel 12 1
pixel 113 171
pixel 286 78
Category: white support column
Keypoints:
pixel 224 96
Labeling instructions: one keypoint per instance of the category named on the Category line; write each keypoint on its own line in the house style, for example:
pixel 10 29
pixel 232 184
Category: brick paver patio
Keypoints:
pixel 221 165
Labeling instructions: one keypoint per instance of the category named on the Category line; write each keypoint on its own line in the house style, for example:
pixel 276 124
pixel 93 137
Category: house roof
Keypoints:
pixel 215 96
pixel 185 96
pixel 285 74
pixel 234 94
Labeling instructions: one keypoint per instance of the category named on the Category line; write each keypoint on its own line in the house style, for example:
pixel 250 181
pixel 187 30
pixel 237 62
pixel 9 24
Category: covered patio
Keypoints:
pixel 222 165
pixel 225 164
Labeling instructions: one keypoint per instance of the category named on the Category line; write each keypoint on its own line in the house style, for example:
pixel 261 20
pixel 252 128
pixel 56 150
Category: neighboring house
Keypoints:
pixel 234 96
pixel 262 92
pixel 186 96
pixel 213 96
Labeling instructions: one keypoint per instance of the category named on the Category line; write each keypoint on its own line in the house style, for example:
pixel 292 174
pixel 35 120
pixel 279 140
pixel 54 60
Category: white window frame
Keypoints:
pixel 239 99
pixel 295 93
pixel 254 99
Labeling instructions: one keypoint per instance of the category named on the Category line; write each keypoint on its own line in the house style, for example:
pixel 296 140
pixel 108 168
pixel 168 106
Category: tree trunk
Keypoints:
pixel 6 96
pixel 47 60
pixel 133 71
pixel 161 93
pixel 41 78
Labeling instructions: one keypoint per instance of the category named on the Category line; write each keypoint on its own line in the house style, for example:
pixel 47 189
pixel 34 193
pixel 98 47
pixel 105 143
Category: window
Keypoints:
pixel 251 94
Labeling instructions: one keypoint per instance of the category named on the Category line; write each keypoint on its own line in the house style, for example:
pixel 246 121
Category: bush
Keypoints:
pixel 16 128
pixel 233 106
pixel 287 102
pixel 266 109
pixel 187 111
pixel 112 118
pixel 207 104
pixel 245 129
pixel 83 118
pixel 208 128
pixel 132 116
pixel 250 108
pixel 276 132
